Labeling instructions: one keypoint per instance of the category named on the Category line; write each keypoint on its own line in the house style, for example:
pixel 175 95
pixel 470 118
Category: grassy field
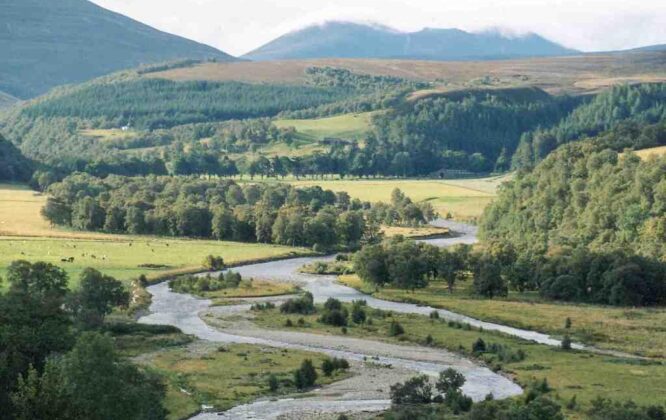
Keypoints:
pixel 108 135
pixel 24 234
pixel 236 375
pixel 575 74
pixel 463 198
pixel 347 126
pixel 414 232
pixel 569 372
pixel 639 331
pixel 645 153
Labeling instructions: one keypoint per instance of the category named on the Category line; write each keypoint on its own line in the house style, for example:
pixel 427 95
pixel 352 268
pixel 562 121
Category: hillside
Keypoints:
pixel 46 43
pixel 6 100
pixel 352 40
pixel 556 75
pixel 585 194
pixel 13 165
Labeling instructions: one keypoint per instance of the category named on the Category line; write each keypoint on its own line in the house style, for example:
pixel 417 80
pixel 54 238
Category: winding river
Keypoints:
pixel 183 311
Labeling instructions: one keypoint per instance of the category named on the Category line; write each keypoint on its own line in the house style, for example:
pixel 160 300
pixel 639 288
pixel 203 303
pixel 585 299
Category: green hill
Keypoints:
pixel 46 43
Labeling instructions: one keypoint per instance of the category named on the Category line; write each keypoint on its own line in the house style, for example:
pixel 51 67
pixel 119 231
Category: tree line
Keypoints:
pixel 569 274
pixel 220 209
pixel 13 165
pixel 160 103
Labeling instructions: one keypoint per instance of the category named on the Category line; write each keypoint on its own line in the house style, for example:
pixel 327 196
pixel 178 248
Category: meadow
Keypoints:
pixel 346 126
pixel 633 330
pixel 227 376
pixel 656 151
pixel 24 234
pixel 464 199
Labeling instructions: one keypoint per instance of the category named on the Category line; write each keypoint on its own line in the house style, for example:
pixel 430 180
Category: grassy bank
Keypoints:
pixel 640 331
pixel 569 372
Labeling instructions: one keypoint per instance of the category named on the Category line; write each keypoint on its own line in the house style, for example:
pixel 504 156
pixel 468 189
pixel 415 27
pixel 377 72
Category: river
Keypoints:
pixel 183 311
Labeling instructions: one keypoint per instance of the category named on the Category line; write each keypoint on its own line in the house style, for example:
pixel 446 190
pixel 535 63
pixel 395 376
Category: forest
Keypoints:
pixel 641 104
pixel 224 210
pixel 157 103
pixel 487 123
pixel 13 165
pixel 585 194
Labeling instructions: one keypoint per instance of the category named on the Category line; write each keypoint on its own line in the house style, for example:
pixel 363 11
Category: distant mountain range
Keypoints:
pixel 45 43
pixel 352 40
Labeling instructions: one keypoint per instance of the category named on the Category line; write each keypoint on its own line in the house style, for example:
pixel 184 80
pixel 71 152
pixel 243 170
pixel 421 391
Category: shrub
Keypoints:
pixel 213 263
pixel 416 390
pixel 566 343
pixel 288 323
pixel 429 340
pixel 434 315
pixel 273 383
pixel 332 304
pixel 358 315
pixel 335 317
pixel 479 346
pixel 395 329
pixel 303 305
pixel 328 366
pixel 306 375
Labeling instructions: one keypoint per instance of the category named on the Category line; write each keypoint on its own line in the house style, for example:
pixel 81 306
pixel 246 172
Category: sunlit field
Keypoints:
pixel 26 235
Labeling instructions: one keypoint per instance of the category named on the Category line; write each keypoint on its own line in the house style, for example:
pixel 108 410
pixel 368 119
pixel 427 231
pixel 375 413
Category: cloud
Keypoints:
pixel 235 27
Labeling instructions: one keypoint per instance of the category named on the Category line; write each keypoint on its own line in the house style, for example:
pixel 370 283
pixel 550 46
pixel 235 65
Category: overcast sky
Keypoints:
pixel 238 26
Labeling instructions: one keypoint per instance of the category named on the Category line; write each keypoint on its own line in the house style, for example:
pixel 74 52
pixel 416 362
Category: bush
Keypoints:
pixel 306 375
pixel 335 317
pixel 303 305
pixel 434 315
pixel 566 343
pixel 358 315
pixel 328 366
pixel 416 390
pixel 273 383
pixel 395 329
pixel 332 304
pixel 212 263
pixel 479 346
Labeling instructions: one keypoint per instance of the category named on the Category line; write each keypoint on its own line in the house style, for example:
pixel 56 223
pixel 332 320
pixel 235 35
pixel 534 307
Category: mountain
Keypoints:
pixel 46 43
pixel 6 100
pixel 352 40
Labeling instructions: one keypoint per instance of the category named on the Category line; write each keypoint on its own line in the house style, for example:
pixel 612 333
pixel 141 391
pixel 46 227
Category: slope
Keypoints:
pixel 47 43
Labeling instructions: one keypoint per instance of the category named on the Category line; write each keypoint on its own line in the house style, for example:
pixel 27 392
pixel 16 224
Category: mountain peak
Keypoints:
pixel 344 39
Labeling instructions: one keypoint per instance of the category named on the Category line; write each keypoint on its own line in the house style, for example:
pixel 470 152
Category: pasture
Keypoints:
pixel 346 126
pixel 25 235
pixel 631 330
pixel 464 199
